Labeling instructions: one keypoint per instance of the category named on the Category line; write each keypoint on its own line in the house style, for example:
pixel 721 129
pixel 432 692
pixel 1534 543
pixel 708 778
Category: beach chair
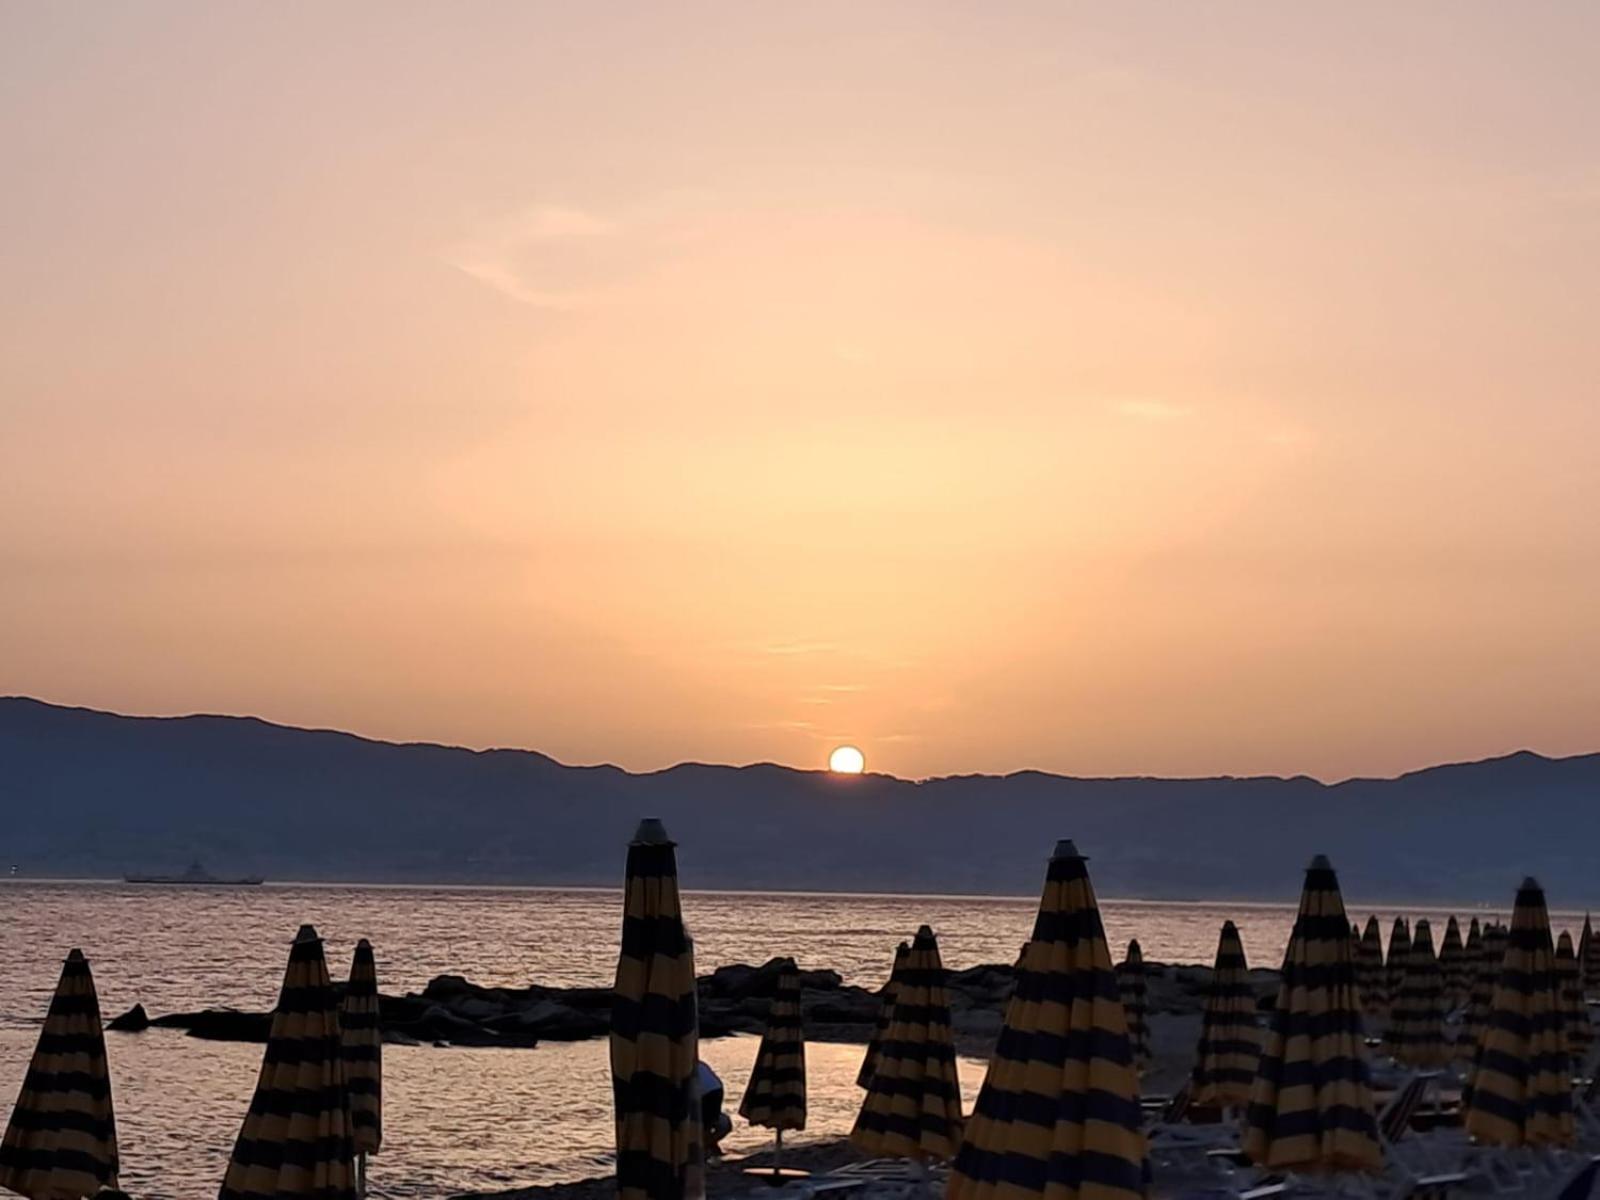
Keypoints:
pixel 1172 1142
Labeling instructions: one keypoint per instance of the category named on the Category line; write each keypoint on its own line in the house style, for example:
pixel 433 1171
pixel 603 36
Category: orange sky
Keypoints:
pixel 1144 390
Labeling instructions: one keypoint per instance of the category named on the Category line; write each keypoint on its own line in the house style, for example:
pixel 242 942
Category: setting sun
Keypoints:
pixel 847 760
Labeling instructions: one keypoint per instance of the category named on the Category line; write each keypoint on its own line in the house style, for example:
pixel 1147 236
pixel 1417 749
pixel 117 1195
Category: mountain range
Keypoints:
pixel 94 794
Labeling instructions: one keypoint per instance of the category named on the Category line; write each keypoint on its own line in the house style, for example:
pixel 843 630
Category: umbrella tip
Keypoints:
pixel 924 933
pixel 1066 848
pixel 75 955
pixel 308 933
pixel 1530 884
pixel 651 832
pixel 363 944
pixel 1320 863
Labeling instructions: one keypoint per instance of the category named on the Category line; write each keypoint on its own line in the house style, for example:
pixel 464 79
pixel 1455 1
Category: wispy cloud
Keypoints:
pixel 1150 410
pixel 517 256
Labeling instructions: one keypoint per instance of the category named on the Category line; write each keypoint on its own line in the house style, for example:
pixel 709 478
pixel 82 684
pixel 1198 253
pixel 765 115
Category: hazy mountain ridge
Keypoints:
pixel 84 792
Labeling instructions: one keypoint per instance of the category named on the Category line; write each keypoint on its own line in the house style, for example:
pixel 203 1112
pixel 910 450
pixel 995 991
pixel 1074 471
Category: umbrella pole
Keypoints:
pixel 361 1175
pixel 777 1151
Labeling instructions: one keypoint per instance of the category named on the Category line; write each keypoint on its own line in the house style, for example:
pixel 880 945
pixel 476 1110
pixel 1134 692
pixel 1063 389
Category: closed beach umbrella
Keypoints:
pixel 913 1104
pixel 776 1096
pixel 1452 966
pixel 1416 1023
pixel 296 1139
pixel 655 1033
pixel 363 1050
pixel 1059 1111
pixel 1311 1106
pixel 1520 1092
pixel 1580 1033
pixel 1399 948
pixel 1230 1042
pixel 1136 1002
pixel 62 1140
pixel 869 1062
pixel 1371 985
pixel 1490 954
pixel 1589 959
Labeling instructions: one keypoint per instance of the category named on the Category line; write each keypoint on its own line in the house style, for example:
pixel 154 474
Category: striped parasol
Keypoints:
pixel 1311 1107
pixel 1589 959
pixel 1452 967
pixel 655 1032
pixel 1580 1033
pixel 1416 1024
pixel 1059 1111
pixel 869 1062
pixel 1371 985
pixel 1135 994
pixel 913 1104
pixel 296 1139
pixel 776 1096
pixel 1519 1091
pixel 1230 1042
pixel 363 1054
pixel 1490 953
pixel 1394 966
pixel 62 1140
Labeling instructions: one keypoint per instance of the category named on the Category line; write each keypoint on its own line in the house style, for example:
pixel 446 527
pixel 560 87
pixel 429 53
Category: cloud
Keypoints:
pixel 1150 410
pixel 527 255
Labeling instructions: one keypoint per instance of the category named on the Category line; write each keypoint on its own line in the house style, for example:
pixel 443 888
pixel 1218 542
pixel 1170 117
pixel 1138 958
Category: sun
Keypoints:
pixel 847 760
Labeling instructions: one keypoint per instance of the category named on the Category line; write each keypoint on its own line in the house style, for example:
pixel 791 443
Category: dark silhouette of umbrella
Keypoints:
pixel 62 1140
pixel 296 1139
pixel 869 1063
pixel 1230 1041
pixel 1136 1002
pixel 913 1104
pixel 655 1036
pixel 1520 1091
pixel 1416 1023
pixel 1059 1111
pixel 1311 1106
pixel 363 1057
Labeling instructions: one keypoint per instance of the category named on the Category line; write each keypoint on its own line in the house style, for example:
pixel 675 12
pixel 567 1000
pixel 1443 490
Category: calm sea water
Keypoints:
pixel 475 1119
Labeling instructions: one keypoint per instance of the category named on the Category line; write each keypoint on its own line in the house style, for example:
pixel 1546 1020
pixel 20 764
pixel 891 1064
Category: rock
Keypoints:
pixel 220 1025
pixel 135 1020
pixel 553 1022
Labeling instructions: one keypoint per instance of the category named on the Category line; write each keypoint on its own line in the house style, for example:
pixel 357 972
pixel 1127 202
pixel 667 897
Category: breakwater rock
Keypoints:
pixel 452 1010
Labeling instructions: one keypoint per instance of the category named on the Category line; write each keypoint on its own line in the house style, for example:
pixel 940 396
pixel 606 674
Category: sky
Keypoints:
pixel 1104 389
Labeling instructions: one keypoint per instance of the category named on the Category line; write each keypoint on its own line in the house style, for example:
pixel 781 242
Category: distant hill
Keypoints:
pixel 93 793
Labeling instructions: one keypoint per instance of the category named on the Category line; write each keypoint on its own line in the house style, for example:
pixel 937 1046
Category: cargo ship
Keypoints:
pixel 196 876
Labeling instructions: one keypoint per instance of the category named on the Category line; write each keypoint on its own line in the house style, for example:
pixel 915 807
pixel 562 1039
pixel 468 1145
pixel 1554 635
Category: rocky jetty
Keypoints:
pixel 452 1010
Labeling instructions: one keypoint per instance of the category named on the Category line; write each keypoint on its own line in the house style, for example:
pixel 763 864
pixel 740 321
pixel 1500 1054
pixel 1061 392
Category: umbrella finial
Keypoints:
pixel 651 832
pixel 1530 884
pixel 307 934
pixel 1320 863
pixel 75 955
pixel 1066 848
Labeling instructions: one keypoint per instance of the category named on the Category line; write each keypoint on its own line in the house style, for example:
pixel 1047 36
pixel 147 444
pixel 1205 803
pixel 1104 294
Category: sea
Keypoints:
pixel 456 1119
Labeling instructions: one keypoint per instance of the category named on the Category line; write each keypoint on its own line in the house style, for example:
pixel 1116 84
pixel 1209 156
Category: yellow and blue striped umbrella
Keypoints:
pixel 655 1032
pixel 1490 953
pixel 1371 986
pixel 869 1062
pixel 1230 1041
pixel 913 1104
pixel 776 1095
pixel 1059 1114
pixel 363 1050
pixel 1416 1024
pixel 1452 967
pixel 296 1139
pixel 1394 966
pixel 1311 1107
pixel 1589 959
pixel 61 1143
pixel 1580 1033
pixel 1520 1091
pixel 1135 1002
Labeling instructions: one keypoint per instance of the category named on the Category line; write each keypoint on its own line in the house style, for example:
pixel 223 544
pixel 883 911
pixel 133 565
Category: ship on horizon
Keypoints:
pixel 196 876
